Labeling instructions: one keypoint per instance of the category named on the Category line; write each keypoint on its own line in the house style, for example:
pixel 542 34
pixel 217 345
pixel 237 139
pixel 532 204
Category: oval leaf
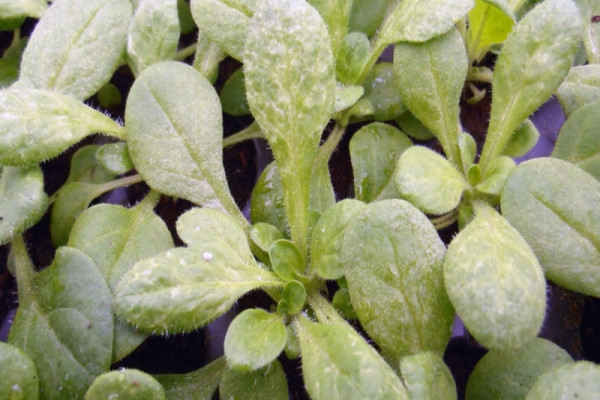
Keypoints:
pixel 130 384
pixel 23 201
pixel 430 77
pixel 79 57
pixel 153 34
pixel 570 381
pixel 37 125
pixel 553 205
pixel 427 377
pixel 428 181
pixel 490 22
pixel 174 132
pixel 337 363
pixel 19 376
pixel 495 282
pixel 254 339
pixel 534 60
pixel 580 87
pixel 393 264
pixel 510 373
pixel 286 259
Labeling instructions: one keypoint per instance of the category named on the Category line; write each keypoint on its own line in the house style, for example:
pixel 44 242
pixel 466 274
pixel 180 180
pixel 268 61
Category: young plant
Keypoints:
pixel 307 68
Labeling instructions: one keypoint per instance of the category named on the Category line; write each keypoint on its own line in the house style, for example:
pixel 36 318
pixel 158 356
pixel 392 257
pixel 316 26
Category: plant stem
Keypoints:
pixel 323 309
pixel 327 149
pixel 445 220
pixel 480 74
pixel 251 132
pixel 185 52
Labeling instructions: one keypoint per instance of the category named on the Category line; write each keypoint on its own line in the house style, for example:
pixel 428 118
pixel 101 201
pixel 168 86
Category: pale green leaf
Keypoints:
pixel 428 180
pixel 591 38
pixel 327 238
pixel 175 134
pixel 77 58
pixel 254 339
pixel 22 8
pixel 23 201
pixel 337 363
pixel 336 14
pixel 374 151
pixel 116 238
pixel 36 125
pixel 115 158
pixel 490 22
pixel 430 77
pixel 207 58
pixel 130 384
pixel 290 83
pixel 85 168
pixel 225 22
pixel 534 60
pixel 346 96
pixel 523 140
pixel 580 87
pixel 494 178
pixel 293 297
pixel 578 139
pixel 468 150
pixel 286 259
pixel 381 90
pixel 153 34
pixel 64 322
pixel 266 383
pixel 495 282
pixel 427 377
pixel 393 264
pixel 366 15
pixel 19 376
pixel 195 385
pixel 420 21
pixel 262 236
pixel 352 57
pixel 510 373
pixel 580 380
pixel 553 204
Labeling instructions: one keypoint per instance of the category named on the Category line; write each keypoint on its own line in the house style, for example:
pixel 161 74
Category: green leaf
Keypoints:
pixel 578 139
pixel 418 21
pixel 266 202
pixel 22 8
pixel 266 383
pixel 336 14
pixel 293 298
pixel 552 204
pixel 430 77
pixel 580 87
pixel 130 384
pixel 427 377
pixel 233 95
pixel 366 15
pixel 185 288
pixel 495 176
pixel 195 385
pixel 174 133
pixel 490 22
pixel 10 62
pixel 77 58
pixel 495 282
pixel 589 9
pixel 374 151
pixel 116 238
pixel 64 322
pixel 414 128
pixel 153 34
pixel 109 96
pixel 337 363
pixel 534 60
pixel 428 180
pixel 468 150
pixel 381 90
pixel 23 201
pixel 225 22
pixel 290 83
pixel 352 57
pixel 186 20
pixel 115 158
pixel 207 58
pixel 523 140
pixel 569 381
pixel 393 264
pixel 328 236
pixel 19 376
pixel 510 373
pixel 254 339
pixel 262 236
pixel 346 97
pixel 37 125
pixel 286 259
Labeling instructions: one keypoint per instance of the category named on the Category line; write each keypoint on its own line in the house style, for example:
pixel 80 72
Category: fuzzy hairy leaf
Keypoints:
pixel 337 363
pixel 290 83
pixel 153 34
pixel 427 377
pixel 490 22
pixel 535 59
pixel 23 201
pixel 268 383
pixel 77 58
pixel 495 282
pixel 553 204
pixel 64 322
pixel 22 8
pixel 569 381
pixel 430 77
pixel 591 38
pixel 19 376
pixel 580 87
pixel 393 264
pixel 195 385
pixel 174 132
pixel 131 384
pixel 36 125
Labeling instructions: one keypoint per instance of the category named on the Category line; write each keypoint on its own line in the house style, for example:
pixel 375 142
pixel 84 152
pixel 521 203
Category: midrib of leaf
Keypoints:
pixel 237 7
pixel 67 55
